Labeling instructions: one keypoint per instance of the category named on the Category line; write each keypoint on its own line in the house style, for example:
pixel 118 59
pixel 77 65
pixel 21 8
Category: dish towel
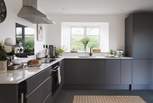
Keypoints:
pixel 59 75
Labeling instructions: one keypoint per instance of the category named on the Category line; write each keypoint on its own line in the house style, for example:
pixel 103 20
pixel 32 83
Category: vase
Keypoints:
pixel 3 66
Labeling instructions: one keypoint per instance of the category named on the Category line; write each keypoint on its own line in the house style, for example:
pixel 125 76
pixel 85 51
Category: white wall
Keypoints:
pixel 117 31
pixel 7 28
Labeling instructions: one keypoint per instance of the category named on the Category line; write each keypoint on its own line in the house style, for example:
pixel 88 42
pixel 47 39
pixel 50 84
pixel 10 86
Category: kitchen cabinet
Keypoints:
pixel 83 73
pixel 113 72
pixel 138 44
pixel 10 93
pixel 139 35
pixel 97 73
pixel 142 74
pixel 126 72
pixel 32 85
pixel 36 89
pixel 39 94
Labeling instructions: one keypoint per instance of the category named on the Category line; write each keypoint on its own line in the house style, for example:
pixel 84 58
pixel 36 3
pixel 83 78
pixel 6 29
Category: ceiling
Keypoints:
pixel 91 7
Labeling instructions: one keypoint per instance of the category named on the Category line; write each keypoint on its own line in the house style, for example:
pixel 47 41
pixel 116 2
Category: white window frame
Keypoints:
pixel 85 32
pixel 103 35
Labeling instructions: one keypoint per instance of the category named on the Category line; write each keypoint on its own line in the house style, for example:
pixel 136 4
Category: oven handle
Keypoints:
pixel 55 69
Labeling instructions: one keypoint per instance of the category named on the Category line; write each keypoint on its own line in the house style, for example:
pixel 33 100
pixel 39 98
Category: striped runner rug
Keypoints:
pixel 108 99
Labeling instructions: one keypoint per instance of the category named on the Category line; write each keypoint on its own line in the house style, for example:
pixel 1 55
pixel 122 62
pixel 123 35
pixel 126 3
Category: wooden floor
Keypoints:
pixel 66 96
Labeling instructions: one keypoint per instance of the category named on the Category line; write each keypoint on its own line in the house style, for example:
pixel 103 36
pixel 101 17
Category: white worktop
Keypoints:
pixel 17 76
pixel 94 57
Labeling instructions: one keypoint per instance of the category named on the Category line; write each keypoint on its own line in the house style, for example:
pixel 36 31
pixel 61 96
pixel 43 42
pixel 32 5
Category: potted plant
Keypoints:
pixel 3 59
pixel 59 52
pixel 85 42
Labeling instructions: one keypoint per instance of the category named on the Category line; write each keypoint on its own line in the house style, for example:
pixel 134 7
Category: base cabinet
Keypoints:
pixel 10 94
pixel 36 89
pixel 142 74
pixel 112 72
pixel 48 99
pixel 97 73
pixel 38 95
pixel 126 72
pixel 83 73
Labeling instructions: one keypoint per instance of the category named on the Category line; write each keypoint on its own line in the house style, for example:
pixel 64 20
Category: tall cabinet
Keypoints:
pixel 139 44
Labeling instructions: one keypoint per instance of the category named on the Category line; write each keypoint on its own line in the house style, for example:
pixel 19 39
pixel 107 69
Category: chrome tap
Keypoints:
pixel 91 52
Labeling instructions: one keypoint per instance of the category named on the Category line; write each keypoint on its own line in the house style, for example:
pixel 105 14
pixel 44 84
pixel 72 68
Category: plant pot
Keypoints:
pixel 3 66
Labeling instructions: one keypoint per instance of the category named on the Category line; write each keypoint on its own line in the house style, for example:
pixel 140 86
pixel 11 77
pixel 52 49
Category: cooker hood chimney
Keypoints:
pixel 30 12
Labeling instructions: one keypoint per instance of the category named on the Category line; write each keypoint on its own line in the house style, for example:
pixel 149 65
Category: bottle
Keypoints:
pixel 47 51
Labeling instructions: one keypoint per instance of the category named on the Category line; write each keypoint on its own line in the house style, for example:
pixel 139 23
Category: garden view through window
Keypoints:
pixel 78 33
pixel 97 35
pixel 25 37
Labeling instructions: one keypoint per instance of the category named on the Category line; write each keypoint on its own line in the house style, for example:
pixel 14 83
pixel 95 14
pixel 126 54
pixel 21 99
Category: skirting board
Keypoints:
pixel 109 87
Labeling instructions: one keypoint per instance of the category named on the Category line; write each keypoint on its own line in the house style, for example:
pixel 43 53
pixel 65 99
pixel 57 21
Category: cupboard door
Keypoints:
pixel 96 72
pixel 113 72
pixel 48 99
pixel 84 72
pixel 143 35
pixel 126 71
pixel 142 71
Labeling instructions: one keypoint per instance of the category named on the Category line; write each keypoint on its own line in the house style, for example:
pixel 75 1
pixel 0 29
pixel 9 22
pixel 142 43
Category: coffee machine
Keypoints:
pixel 50 53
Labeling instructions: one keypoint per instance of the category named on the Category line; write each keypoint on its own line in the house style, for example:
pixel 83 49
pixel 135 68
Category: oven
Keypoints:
pixel 56 77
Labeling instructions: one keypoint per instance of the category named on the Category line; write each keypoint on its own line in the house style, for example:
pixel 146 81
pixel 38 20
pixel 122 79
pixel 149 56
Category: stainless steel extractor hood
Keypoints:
pixel 30 12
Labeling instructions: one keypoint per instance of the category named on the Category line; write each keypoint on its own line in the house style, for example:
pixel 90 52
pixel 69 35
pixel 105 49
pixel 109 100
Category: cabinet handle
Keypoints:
pixel 22 97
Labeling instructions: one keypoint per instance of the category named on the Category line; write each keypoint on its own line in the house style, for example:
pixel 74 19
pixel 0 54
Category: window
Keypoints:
pixel 73 33
pixel 25 37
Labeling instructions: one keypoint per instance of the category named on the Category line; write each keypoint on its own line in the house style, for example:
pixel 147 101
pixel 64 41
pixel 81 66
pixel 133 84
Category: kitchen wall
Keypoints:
pixel 7 28
pixel 116 33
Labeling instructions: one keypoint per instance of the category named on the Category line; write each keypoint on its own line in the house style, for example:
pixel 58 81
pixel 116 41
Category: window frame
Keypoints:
pixel 85 33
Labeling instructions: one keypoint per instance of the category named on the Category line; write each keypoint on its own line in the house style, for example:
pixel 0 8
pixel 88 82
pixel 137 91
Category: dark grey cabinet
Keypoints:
pixel 10 94
pixel 142 73
pixel 84 73
pixel 37 79
pixel 39 94
pixel 113 72
pixel 35 89
pixel 126 72
pixel 97 73
pixel 138 44
pixel 139 35
pixel 38 87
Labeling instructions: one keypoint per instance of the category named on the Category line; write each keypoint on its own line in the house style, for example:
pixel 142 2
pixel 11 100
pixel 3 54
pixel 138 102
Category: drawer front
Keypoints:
pixel 40 93
pixel 48 99
pixel 36 80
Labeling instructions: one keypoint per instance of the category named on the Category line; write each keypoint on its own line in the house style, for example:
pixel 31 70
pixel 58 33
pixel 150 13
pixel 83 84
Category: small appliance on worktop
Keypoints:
pixel 48 55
